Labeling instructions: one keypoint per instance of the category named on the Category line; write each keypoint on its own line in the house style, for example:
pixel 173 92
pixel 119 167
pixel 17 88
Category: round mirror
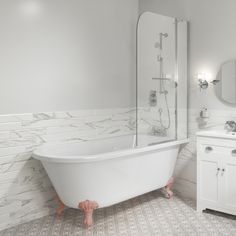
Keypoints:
pixel 225 83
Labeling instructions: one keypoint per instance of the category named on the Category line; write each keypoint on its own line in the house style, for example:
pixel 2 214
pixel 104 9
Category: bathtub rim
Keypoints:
pixel 102 156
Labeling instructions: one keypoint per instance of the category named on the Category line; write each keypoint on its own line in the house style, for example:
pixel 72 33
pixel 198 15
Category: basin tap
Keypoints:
pixel 230 126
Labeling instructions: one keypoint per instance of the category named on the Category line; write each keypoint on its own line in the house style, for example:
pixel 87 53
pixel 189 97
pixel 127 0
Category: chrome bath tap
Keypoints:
pixel 230 126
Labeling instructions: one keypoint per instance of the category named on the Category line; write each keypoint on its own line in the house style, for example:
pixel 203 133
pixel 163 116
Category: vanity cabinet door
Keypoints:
pixel 209 187
pixel 216 175
pixel 228 183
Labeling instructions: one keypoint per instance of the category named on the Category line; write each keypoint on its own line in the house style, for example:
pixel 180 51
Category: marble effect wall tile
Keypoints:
pixel 149 117
pixel 25 190
pixel 186 166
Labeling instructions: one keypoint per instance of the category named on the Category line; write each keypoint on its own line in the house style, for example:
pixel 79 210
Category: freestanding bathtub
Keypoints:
pixel 101 173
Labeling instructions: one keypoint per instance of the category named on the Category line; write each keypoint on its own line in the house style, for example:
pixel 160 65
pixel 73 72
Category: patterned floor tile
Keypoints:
pixel 147 215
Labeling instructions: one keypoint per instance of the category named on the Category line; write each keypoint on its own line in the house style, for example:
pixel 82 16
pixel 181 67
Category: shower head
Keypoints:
pixel 159 44
pixel 164 35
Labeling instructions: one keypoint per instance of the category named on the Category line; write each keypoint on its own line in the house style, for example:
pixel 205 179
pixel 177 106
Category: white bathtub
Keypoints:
pixel 107 171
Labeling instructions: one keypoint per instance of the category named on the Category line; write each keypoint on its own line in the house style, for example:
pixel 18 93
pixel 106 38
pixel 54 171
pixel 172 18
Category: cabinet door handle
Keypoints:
pixel 218 170
pixel 208 149
pixel 222 171
pixel 234 152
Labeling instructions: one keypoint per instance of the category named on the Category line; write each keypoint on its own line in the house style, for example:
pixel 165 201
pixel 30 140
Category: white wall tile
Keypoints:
pixel 25 190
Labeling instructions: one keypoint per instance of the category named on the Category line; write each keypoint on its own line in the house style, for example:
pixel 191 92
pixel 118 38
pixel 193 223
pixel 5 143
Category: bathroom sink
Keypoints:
pixel 217 134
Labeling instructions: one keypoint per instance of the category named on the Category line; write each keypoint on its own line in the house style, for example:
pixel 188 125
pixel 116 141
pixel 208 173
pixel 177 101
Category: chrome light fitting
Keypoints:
pixel 203 80
pixel 203 84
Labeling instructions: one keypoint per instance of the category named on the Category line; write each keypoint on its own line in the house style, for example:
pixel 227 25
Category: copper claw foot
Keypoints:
pixel 60 208
pixel 88 207
pixel 167 189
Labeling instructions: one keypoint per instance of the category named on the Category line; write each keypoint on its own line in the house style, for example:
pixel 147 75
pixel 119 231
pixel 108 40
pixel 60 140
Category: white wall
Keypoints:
pixel 174 8
pixel 212 38
pixel 212 42
pixel 67 54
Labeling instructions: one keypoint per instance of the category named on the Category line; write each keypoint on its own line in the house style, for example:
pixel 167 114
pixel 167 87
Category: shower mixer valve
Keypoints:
pixel 153 98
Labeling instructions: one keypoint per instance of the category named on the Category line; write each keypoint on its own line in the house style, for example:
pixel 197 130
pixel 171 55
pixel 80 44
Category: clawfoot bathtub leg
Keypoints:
pixel 167 189
pixel 60 208
pixel 88 207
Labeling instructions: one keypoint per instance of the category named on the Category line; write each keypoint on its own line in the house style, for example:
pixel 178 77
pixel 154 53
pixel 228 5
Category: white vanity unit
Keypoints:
pixel 216 171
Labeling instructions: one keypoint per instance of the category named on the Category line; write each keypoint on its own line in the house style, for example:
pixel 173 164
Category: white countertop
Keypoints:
pixel 217 134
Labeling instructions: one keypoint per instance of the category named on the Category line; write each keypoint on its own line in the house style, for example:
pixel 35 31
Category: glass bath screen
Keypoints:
pixel 161 79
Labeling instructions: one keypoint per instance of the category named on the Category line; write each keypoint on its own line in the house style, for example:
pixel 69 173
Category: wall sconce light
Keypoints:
pixel 215 81
pixel 204 79
pixel 203 84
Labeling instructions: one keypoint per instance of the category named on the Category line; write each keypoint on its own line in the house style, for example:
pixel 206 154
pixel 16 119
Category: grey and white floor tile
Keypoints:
pixel 147 215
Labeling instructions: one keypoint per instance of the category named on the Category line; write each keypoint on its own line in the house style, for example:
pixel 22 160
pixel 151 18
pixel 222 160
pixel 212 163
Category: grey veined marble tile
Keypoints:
pixel 25 190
